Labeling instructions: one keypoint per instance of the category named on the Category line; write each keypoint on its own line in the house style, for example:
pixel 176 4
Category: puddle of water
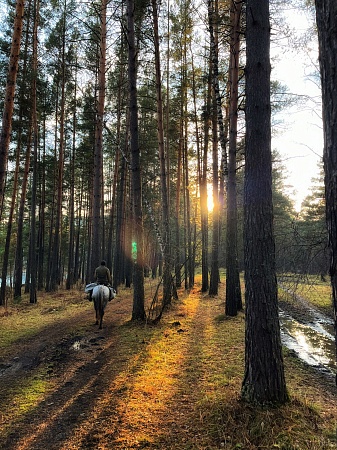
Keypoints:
pixel 76 345
pixel 312 342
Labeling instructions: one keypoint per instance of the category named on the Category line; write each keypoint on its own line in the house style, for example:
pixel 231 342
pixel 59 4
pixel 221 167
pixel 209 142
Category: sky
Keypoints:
pixel 299 136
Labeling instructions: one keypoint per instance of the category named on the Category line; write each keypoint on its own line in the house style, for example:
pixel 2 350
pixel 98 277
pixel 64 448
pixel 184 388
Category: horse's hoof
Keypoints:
pixel 96 323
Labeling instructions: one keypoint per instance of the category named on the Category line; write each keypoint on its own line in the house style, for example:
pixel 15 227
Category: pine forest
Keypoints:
pixel 138 133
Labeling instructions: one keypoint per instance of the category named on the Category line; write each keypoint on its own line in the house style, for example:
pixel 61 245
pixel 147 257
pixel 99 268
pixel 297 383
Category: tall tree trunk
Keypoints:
pixel 214 277
pixel 187 216
pixel 217 124
pixel 203 186
pixel 18 265
pixel 203 198
pixel 9 227
pixel 18 268
pixel 119 257
pixel 264 380
pixel 138 311
pixel 167 118
pixel 71 245
pixel 111 227
pixel 233 290
pixel 6 126
pixel 55 273
pixel 177 264
pixel 326 13
pixel 78 252
pixel 32 237
pixel 167 278
pixel 189 263
pixel 213 19
pixel 97 251
pixel 119 187
pixel 53 203
pixel 41 232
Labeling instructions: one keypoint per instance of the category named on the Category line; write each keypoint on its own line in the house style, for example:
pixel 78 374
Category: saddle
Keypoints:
pixel 89 288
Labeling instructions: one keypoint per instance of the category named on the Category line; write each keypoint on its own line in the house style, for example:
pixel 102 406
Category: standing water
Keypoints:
pixel 312 340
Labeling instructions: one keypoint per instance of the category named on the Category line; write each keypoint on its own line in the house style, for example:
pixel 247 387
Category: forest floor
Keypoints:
pixel 175 385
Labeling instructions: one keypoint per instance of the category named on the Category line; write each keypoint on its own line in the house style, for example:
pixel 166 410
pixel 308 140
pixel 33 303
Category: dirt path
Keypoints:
pixel 119 387
pixel 127 386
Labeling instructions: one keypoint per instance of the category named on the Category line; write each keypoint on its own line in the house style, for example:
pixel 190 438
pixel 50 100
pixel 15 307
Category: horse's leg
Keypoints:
pixel 100 308
pixel 96 310
pixel 101 319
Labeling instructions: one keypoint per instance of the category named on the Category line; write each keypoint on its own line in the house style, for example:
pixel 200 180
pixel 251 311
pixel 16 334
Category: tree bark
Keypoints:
pixel 217 126
pixel 138 312
pixel 71 246
pixel 7 116
pixel 213 18
pixel 202 151
pixel 264 380
pixel 167 278
pixel 9 228
pixel 55 271
pixel 326 18
pixel 42 205
pixel 32 237
pixel 119 259
pixel 233 290
pixel 177 268
pixel 214 277
pixel 97 250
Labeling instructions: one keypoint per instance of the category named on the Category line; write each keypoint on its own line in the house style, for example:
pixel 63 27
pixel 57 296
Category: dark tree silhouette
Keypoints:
pixel 326 13
pixel 264 380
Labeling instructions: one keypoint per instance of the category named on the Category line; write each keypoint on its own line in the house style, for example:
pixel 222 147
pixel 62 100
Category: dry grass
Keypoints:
pixel 312 289
pixel 173 386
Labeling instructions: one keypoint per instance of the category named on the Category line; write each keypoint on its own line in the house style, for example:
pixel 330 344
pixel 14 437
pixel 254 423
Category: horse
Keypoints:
pixel 100 296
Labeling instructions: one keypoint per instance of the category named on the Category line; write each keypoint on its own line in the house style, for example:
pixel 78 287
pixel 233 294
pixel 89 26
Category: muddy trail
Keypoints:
pixel 309 333
pixel 130 386
pixel 98 396
pixel 78 366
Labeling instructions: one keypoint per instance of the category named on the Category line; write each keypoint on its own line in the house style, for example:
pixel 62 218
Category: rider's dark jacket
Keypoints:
pixel 102 275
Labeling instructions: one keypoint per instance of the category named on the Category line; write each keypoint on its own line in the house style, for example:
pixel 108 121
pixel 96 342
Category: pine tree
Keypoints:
pixel 264 380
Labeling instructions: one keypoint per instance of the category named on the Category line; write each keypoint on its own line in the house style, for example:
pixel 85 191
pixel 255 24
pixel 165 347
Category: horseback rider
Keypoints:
pixel 102 274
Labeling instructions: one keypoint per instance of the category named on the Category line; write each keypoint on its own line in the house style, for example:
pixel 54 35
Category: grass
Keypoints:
pixel 312 289
pixel 21 321
pixel 172 386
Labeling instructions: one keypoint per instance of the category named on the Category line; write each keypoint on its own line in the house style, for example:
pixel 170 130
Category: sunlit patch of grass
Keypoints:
pixel 23 398
pixel 236 424
pixel 30 394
